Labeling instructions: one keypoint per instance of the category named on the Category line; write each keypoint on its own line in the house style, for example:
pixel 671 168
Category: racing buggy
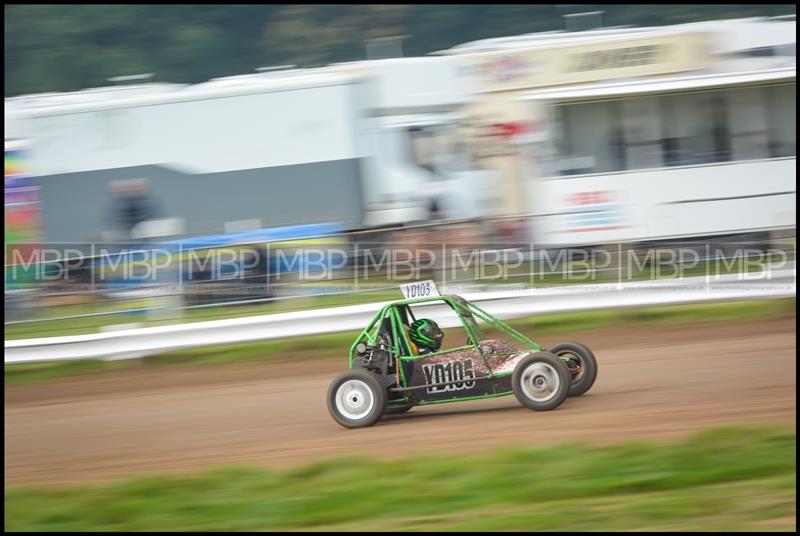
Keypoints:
pixel 398 362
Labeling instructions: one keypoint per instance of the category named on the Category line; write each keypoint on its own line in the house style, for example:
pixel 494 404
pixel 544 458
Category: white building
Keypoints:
pixel 641 133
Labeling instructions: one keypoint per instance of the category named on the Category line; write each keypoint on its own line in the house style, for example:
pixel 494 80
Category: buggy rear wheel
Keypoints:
pixel 356 399
pixel 581 363
pixel 541 381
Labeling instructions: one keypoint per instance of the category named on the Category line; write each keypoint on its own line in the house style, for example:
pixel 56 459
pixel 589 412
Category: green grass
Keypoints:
pixel 727 479
pixel 666 315
pixel 337 345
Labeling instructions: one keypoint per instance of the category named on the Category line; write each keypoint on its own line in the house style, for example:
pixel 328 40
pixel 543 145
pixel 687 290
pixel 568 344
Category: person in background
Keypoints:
pixel 131 205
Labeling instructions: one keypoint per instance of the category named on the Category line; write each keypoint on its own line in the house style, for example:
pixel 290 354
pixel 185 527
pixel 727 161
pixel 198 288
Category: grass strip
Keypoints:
pixel 731 478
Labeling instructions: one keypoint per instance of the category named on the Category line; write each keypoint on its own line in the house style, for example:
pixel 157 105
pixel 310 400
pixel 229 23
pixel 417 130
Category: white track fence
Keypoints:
pixel 132 343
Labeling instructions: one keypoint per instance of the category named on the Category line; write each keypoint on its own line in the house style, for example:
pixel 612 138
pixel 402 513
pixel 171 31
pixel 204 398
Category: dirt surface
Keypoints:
pixel 653 383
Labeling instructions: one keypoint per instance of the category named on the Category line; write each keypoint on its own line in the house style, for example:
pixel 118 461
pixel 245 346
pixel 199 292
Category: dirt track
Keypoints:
pixel 654 383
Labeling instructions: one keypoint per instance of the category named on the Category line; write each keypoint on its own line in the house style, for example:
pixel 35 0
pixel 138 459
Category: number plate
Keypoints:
pixel 420 289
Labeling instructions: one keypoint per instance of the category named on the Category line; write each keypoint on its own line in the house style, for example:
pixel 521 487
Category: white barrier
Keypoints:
pixel 503 304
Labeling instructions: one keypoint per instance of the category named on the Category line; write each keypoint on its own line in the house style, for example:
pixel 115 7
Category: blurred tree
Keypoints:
pixel 313 35
pixel 70 47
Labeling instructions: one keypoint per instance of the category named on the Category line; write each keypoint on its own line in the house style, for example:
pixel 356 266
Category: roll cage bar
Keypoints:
pixel 397 313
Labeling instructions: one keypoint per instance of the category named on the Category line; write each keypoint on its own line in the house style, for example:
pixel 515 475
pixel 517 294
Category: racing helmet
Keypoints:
pixel 426 333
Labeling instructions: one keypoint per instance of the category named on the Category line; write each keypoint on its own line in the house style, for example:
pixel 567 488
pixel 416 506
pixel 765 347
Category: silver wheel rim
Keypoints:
pixel 354 399
pixel 540 381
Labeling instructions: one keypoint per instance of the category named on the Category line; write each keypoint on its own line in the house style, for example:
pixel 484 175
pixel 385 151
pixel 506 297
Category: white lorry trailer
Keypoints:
pixel 361 144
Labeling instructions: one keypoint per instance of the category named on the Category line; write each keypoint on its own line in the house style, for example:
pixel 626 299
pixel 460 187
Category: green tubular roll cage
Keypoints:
pixel 466 312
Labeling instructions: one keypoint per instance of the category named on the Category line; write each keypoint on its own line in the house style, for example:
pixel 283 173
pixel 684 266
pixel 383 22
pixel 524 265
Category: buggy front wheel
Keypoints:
pixel 541 381
pixel 356 399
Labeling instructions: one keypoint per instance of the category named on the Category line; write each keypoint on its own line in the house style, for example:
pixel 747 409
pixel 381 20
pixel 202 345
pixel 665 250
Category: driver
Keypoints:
pixel 426 335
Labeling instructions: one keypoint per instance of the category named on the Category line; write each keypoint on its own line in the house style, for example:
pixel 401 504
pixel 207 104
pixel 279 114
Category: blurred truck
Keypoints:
pixel 361 144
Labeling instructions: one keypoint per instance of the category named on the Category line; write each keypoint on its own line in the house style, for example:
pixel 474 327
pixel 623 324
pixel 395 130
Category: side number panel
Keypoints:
pixel 448 376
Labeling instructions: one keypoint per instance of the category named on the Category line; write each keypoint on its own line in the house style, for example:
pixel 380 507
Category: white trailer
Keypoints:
pixel 334 144
pixel 693 156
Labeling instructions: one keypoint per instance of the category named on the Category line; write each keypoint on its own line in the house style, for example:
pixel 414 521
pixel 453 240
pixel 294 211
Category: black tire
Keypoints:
pixel 541 367
pixel 582 380
pixel 359 404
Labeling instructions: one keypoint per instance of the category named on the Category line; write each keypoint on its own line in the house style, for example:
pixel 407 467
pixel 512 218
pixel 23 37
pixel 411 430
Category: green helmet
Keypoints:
pixel 426 333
